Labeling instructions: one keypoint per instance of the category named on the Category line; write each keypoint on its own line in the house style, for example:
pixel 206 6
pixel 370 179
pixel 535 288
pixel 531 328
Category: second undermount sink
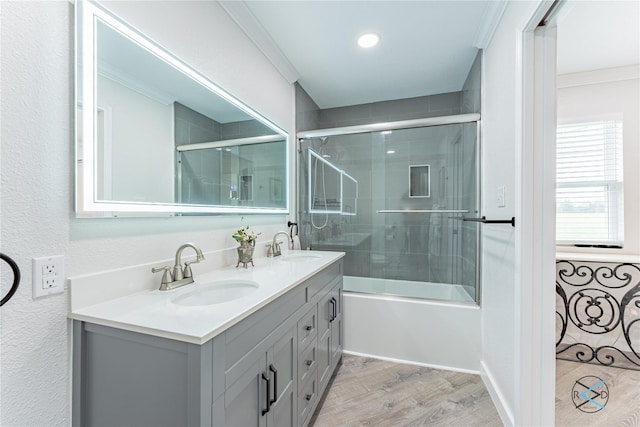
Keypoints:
pixel 303 257
pixel 216 292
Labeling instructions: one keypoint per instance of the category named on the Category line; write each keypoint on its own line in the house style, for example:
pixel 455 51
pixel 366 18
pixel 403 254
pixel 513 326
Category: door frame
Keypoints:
pixel 535 238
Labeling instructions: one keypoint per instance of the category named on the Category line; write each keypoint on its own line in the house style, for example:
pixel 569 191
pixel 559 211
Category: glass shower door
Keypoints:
pixel 394 203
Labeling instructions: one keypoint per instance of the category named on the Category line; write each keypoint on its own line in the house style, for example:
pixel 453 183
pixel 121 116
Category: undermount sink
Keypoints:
pixel 300 257
pixel 216 292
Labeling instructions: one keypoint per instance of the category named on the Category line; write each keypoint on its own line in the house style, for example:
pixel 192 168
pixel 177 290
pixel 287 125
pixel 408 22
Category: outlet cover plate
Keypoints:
pixel 48 276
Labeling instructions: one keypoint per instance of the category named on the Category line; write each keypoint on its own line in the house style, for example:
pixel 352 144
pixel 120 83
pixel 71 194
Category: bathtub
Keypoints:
pixel 406 288
pixel 420 331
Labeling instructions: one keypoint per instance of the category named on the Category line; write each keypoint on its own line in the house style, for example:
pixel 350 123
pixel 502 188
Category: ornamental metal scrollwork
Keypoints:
pixel 604 355
pixel 607 277
pixel 594 311
pixel 572 275
pixel 631 318
pixel 563 315
pixel 591 299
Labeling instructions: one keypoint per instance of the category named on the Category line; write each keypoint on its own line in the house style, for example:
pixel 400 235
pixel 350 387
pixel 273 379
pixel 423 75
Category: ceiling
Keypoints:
pixel 594 35
pixel 427 46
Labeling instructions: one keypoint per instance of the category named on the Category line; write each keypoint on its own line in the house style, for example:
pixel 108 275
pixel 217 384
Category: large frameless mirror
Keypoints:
pixel 154 136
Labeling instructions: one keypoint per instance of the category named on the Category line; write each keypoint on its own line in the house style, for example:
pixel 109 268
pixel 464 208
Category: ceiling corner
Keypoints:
pixel 242 15
pixel 492 16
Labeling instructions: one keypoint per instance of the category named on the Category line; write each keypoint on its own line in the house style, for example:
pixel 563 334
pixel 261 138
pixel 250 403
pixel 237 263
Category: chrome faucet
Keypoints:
pixel 274 247
pixel 181 276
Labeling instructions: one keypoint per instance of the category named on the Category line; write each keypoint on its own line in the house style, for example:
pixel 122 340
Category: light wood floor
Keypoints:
pixel 622 409
pixel 371 392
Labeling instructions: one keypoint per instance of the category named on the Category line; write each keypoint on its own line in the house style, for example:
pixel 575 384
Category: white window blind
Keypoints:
pixel 589 184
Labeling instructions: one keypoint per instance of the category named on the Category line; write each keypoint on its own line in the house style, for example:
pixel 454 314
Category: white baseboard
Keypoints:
pixel 410 362
pixel 506 415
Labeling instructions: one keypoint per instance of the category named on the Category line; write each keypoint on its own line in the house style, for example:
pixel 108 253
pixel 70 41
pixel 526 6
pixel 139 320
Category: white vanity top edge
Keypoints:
pixel 155 313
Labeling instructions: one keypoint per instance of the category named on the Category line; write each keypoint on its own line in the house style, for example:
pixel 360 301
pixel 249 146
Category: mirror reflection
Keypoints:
pixel 164 138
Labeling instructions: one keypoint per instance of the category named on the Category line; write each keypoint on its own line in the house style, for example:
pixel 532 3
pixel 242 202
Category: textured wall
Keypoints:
pixel 37 182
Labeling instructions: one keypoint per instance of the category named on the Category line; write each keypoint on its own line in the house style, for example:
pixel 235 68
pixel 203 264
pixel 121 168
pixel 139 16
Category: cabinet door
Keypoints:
pixel 325 314
pixel 336 325
pixel 245 400
pixel 282 369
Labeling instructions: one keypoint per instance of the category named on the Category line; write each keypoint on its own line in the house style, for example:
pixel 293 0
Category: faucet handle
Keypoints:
pixel 186 273
pixel 166 276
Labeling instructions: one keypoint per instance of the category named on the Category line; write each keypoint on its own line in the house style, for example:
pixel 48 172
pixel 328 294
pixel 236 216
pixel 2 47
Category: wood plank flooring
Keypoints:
pixel 622 408
pixel 372 392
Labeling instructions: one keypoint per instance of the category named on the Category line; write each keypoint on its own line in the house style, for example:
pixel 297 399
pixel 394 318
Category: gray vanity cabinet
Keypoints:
pixel 123 378
pixel 264 394
pixel 330 332
pixel 267 370
pixel 337 326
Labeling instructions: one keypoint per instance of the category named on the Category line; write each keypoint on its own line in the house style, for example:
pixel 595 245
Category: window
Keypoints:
pixel 589 184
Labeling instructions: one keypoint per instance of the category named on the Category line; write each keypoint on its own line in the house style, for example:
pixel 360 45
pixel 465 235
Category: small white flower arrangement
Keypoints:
pixel 243 234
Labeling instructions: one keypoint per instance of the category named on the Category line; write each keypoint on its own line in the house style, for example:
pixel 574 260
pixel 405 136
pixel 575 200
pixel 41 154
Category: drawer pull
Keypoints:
pixel 308 328
pixel 308 397
pixel 334 309
pixel 309 362
pixel 268 380
pixel 275 384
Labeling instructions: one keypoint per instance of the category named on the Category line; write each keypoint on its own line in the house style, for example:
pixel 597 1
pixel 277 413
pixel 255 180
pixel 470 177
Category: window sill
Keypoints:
pixel 597 257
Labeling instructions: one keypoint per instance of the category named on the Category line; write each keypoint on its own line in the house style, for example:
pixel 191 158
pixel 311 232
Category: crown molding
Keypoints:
pixel 492 16
pixel 249 24
pixel 605 75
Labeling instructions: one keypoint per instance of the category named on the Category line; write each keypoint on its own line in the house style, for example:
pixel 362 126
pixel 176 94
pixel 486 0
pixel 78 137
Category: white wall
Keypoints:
pixel 578 101
pixel 502 71
pixel 37 179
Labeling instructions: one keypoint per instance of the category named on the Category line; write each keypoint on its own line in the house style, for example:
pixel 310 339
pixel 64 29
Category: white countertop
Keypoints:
pixel 153 312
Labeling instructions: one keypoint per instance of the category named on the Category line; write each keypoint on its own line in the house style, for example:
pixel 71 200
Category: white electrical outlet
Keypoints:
pixel 48 276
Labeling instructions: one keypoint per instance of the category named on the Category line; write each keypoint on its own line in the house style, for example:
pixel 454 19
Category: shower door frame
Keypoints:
pixel 460 119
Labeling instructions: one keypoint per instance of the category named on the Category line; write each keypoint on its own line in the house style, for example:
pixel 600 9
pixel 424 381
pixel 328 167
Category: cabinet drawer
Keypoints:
pixel 306 401
pixel 307 364
pixel 248 333
pixel 323 278
pixel 308 328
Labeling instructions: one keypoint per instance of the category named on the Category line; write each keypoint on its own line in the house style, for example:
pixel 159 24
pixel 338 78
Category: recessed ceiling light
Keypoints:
pixel 387 132
pixel 391 152
pixel 368 40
